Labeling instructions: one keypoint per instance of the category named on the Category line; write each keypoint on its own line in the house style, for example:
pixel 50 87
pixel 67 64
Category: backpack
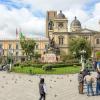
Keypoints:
pixel 80 78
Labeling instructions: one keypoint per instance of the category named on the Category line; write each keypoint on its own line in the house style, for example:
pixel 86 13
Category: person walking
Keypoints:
pixel 81 82
pixel 89 80
pixel 98 84
pixel 42 89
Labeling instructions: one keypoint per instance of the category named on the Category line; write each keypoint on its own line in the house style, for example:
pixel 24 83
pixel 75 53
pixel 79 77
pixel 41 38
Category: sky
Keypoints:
pixel 29 15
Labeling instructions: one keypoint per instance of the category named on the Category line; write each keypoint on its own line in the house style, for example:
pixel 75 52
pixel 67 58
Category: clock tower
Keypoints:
pixel 60 23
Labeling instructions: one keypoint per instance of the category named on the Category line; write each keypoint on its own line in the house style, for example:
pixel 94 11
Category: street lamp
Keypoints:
pixel 82 52
pixel 11 57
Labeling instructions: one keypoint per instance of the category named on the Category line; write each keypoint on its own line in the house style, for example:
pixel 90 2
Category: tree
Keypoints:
pixel 28 46
pixel 78 44
pixel 37 56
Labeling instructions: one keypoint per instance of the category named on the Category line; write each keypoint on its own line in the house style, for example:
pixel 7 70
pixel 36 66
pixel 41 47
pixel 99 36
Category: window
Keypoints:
pixel 86 37
pixel 61 40
pixel 1 50
pixel 36 46
pixel 97 41
pixel 10 46
pixel 0 45
pixel 60 24
pixel 16 53
pixel 46 46
pixel 17 47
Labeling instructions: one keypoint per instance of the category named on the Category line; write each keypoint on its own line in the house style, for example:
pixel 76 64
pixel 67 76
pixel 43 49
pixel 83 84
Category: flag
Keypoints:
pixel 16 33
pixel 22 36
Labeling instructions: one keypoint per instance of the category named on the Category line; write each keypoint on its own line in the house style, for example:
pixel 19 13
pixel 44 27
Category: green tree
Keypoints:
pixel 28 47
pixel 78 44
pixel 37 56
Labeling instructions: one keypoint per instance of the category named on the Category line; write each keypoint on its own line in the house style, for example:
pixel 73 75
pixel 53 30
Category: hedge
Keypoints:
pixel 56 65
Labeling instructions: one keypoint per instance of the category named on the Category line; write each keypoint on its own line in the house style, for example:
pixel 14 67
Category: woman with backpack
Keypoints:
pixel 81 82
pixel 42 89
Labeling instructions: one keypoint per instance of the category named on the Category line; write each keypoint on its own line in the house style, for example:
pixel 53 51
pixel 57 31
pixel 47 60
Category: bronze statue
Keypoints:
pixel 52 43
pixel 50 25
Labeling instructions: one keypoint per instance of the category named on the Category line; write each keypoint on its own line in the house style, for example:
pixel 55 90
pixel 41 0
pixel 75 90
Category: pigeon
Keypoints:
pixel 70 80
pixel 30 81
pixel 2 86
pixel 55 95
pixel 50 87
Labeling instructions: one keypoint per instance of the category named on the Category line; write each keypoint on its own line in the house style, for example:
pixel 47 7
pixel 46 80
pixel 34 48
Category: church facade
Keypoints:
pixel 57 28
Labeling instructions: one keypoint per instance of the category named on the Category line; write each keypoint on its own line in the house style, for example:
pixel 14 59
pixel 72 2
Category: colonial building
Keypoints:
pixel 57 28
pixel 11 47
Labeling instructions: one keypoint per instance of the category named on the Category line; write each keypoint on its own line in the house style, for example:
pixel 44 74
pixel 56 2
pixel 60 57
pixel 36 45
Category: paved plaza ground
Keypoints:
pixel 25 87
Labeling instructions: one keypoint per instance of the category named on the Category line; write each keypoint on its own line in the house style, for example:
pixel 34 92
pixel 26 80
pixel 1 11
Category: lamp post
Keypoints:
pixel 82 52
pixel 11 58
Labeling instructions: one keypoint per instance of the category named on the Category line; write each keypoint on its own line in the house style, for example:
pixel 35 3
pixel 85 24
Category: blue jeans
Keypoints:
pixel 89 89
pixel 98 87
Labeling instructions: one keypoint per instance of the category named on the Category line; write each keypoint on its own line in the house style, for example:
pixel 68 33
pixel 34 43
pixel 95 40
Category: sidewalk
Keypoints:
pixel 25 87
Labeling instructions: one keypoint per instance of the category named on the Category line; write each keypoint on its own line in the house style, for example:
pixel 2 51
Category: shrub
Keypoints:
pixel 47 67
pixel 37 65
pixel 17 64
pixel 65 65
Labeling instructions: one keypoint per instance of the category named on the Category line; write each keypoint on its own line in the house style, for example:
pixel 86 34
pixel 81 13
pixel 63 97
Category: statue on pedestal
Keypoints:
pixel 53 47
pixel 50 25
pixel 51 53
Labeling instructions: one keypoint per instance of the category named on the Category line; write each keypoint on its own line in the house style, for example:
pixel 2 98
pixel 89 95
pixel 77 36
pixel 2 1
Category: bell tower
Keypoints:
pixel 51 15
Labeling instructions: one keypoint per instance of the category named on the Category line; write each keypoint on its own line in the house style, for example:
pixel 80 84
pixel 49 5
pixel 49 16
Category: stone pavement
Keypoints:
pixel 25 87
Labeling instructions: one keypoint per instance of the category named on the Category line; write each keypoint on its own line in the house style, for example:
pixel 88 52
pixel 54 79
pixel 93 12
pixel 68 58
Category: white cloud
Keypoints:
pixel 23 18
pixel 19 18
pixel 93 22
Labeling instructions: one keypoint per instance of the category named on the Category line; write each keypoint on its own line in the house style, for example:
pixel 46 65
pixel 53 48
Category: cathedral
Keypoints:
pixel 57 28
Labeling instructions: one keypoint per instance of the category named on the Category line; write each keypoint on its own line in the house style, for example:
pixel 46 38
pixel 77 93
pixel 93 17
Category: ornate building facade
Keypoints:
pixel 11 47
pixel 57 28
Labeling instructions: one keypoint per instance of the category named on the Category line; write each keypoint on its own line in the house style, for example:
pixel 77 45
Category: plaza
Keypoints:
pixel 25 87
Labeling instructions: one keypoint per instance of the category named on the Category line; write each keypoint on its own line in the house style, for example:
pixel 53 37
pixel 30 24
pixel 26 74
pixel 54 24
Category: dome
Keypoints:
pixel 75 23
pixel 60 15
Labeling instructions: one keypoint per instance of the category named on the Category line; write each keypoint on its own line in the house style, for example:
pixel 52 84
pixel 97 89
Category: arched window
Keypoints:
pixel 97 41
pixel 17 46
pixel 36 46
pixel 61 40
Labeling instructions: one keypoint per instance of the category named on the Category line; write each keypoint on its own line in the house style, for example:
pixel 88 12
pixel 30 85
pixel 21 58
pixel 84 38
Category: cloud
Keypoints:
pixel 29 15
pixel 93 22
pixel 20 18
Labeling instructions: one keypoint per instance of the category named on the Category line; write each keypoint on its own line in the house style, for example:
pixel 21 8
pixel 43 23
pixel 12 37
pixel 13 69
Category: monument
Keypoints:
pixel 51 53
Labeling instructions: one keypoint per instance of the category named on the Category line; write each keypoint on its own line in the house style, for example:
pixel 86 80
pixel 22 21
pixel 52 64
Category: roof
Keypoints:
pixel 75 22
pixel 61 15
pixel 86 30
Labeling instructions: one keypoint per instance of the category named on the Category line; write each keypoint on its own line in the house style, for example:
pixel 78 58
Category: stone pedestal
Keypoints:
pixel 49 58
